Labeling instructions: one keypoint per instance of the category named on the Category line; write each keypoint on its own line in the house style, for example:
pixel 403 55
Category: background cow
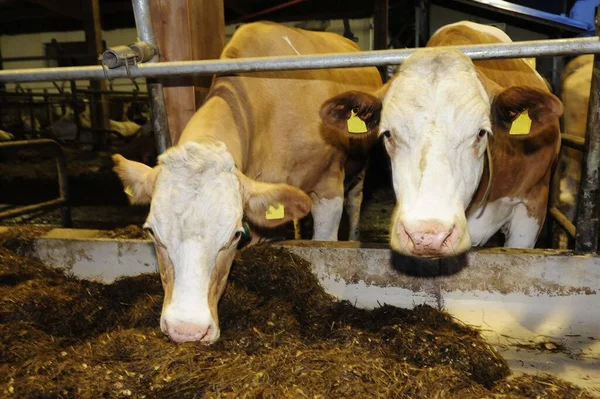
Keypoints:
pixel 575 94
pixel 256 149
pixel 437 117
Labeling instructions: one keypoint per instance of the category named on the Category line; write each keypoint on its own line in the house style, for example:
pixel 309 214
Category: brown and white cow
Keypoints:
pixel 575 95
pixel 437 116
pixel 257 142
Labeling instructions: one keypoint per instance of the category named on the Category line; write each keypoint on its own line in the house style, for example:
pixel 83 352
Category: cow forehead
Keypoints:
pixel 197 195
pixel 436 88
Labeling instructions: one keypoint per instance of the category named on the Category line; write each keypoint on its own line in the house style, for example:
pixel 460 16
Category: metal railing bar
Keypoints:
pixel 535 48
pixel 571 141
pixel 27 209
pixel 563 221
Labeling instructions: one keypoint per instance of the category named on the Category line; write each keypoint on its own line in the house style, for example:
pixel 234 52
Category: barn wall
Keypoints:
pixel 33 45
pixel 29 45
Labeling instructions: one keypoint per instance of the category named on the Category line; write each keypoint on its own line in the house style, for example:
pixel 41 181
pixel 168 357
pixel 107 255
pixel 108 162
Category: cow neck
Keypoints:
pixel 216 120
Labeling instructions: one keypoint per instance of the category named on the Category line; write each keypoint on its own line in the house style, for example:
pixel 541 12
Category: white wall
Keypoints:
pixel 30 45
pixel 33 45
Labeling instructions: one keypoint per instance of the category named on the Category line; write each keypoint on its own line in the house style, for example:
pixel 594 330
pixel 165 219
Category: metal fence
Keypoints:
pixel 586 228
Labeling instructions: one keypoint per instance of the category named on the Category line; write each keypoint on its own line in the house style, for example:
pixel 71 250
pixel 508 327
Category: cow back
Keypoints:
pixel 278 129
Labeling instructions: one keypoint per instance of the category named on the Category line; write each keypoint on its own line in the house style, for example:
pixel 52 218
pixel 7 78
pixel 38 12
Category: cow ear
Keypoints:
pixel 137 178
pixel 270 205
pixel 541 107
pixel 354 112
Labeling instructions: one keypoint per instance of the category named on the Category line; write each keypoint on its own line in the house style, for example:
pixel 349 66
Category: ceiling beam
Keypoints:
pixel 236 6
pixel 33 14
pixel 68 8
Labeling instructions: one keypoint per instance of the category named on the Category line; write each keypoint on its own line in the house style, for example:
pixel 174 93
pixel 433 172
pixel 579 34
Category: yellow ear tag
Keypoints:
pixel 531 62
pixel 275 212
pixel 521 125
pixel 128 191
pixel 355 124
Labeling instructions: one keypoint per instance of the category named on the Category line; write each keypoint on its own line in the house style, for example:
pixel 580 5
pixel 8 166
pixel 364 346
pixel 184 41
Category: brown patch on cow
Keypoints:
pixel 258 197
pixel 167 271
pixel 423 160
pixel 336 111
pixel 218 281
pixel 543 107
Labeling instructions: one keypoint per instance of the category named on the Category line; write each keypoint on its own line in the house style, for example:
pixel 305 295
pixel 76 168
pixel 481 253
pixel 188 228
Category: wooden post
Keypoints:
pixel 381 29
pixel 99 109
pixel 187 30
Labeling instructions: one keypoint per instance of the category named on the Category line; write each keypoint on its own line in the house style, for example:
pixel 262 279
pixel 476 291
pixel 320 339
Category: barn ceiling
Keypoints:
pixel 32 16
pixel 29 16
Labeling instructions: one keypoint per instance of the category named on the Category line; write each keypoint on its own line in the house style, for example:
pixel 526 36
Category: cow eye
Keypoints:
pixel 387 134
pixel 481 133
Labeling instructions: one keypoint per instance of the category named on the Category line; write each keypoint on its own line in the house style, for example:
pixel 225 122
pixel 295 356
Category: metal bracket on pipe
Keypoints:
pixel 119 56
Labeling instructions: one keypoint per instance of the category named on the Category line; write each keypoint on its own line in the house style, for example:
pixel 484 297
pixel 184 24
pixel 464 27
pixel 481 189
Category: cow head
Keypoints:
pixel 435 118
pixel 197 201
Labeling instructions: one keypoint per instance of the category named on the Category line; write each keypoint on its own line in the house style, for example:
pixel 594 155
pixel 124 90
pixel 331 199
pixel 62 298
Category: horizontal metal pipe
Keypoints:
pixel 535 48
pixel 563 221
pixel 576 142
pixel 42 206
pixel 123 93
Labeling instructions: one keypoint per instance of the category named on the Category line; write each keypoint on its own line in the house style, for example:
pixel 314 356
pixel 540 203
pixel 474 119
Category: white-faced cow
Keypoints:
pixel 437 116
pixel 256 146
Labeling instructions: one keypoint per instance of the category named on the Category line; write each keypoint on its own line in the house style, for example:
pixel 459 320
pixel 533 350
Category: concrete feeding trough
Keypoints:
pixel 540 308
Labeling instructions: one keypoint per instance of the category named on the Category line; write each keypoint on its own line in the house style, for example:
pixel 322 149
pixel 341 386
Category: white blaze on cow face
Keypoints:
pixel 435 119
pixel 198 199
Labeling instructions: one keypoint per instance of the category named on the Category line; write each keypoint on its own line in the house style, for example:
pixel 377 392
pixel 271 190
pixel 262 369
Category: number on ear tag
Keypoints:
pixel 356 125
pixel 521 125
pixel 274 213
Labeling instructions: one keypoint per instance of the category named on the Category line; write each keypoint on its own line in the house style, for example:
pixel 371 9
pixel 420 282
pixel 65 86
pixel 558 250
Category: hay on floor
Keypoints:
pixel 282 337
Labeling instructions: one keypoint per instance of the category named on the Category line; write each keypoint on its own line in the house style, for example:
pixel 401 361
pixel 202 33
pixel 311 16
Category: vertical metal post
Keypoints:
pixel 381 25
pixel 558 64
pixel 586 239
pixel 160 124
pixel 76 109
pixel 421 22
pixel 48 108
pixel 31 113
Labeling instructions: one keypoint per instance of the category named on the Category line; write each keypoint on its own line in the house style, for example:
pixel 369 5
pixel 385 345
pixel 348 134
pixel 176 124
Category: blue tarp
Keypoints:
pixel 585 11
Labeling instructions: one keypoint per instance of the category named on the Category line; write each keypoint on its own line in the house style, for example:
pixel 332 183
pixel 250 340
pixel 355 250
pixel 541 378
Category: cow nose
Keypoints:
pixel 186 332
pixel 430 237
